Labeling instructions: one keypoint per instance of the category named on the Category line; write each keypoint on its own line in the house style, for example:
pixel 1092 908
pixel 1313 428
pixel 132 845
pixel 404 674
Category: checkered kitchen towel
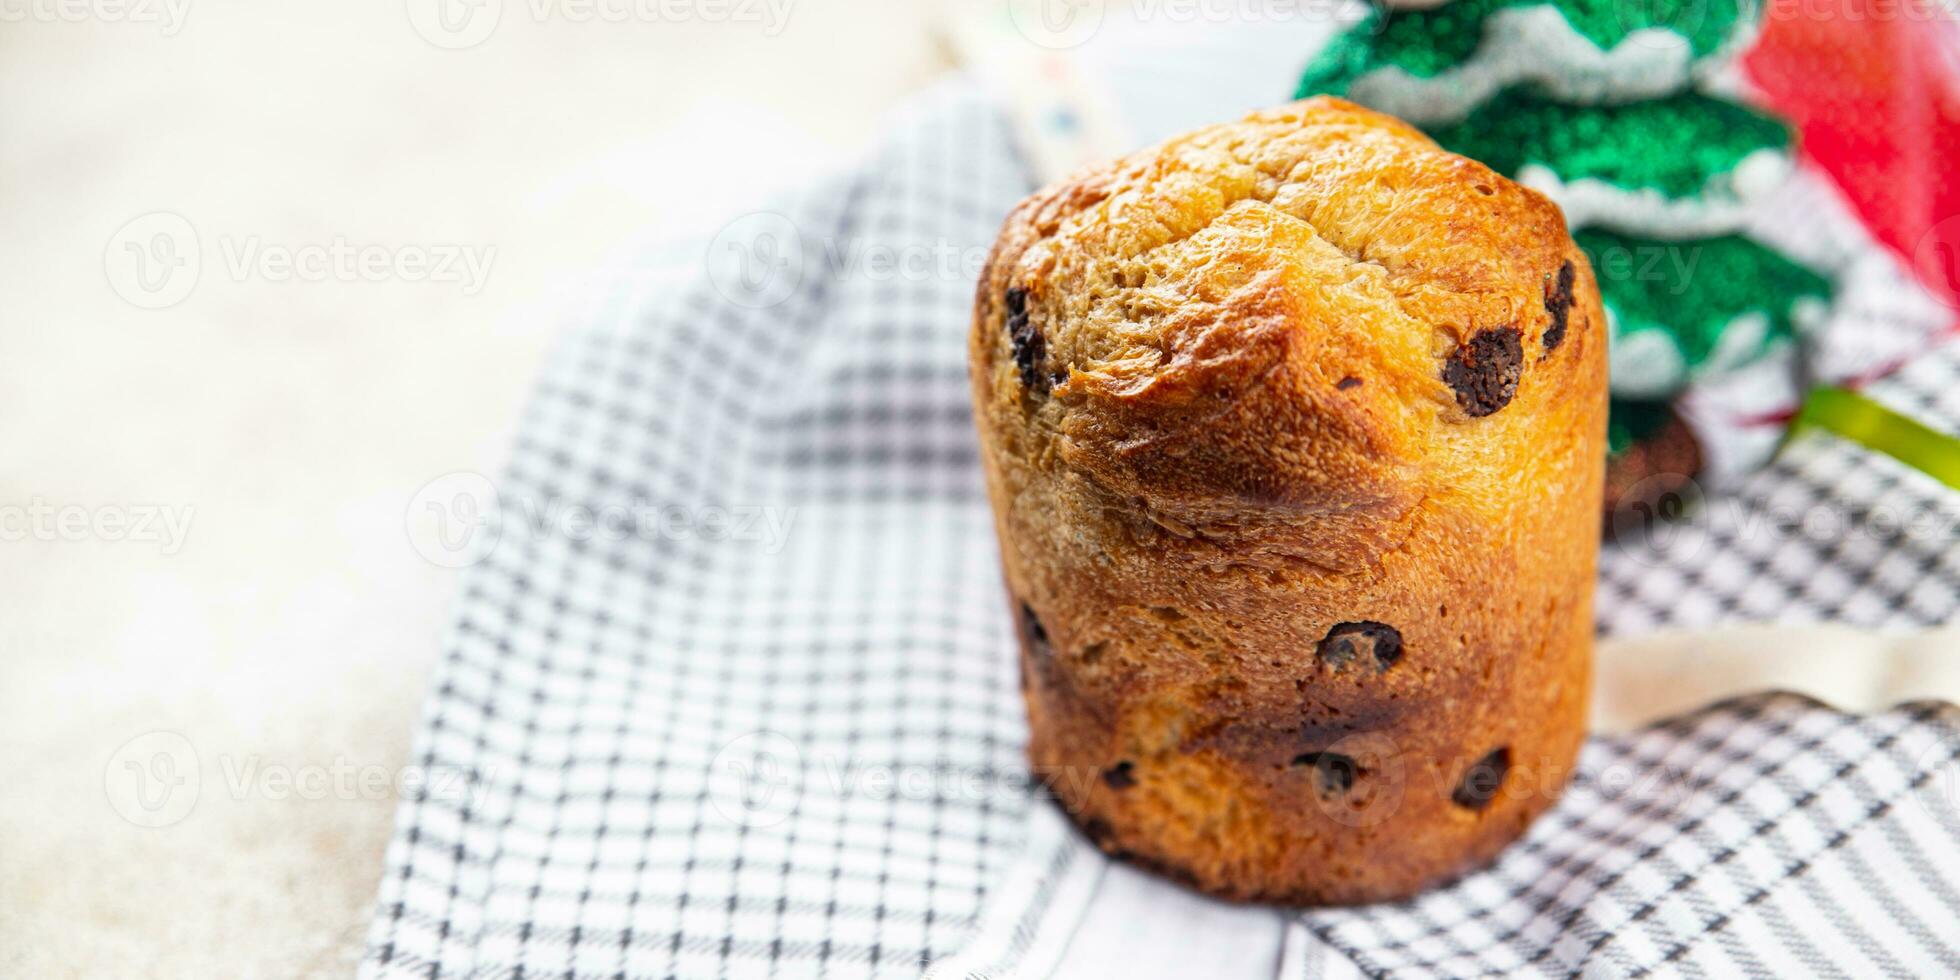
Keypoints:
pixel 733 680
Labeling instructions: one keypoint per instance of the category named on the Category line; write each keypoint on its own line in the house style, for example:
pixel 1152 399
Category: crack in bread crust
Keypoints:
pixel 1244 433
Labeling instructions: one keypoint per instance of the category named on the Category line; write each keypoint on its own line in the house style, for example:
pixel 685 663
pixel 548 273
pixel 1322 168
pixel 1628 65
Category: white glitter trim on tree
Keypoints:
pixel 1536 45
pixel 1721 208
pixel 1645 363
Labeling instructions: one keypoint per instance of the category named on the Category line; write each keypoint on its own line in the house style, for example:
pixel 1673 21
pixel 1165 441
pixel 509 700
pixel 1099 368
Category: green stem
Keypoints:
pixel 1855 417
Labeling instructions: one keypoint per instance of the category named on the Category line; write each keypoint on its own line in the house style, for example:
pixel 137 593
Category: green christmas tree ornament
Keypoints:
pixel 1434 65
pixel 1697 305
pixel 1683 147
pixel 1617 112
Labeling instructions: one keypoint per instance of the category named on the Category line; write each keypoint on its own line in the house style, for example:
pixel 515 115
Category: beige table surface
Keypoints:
pixel 283 642
pixel 293 421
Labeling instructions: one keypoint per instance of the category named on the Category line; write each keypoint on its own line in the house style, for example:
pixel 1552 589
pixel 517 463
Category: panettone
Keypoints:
pixel 1294 428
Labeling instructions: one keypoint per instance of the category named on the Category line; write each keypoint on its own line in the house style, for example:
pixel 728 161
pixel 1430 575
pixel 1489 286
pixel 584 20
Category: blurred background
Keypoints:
pixel 273 270
pixel 285 418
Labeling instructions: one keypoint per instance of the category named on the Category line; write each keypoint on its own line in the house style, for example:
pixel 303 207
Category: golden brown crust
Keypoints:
pixel 1270 378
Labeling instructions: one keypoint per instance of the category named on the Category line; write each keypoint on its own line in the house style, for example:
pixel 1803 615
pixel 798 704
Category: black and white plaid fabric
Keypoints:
pixel 732 691
pixel 1766 837
pixel 1827 531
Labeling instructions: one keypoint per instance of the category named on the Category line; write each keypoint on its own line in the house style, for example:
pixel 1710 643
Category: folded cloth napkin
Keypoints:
pixel 733 680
